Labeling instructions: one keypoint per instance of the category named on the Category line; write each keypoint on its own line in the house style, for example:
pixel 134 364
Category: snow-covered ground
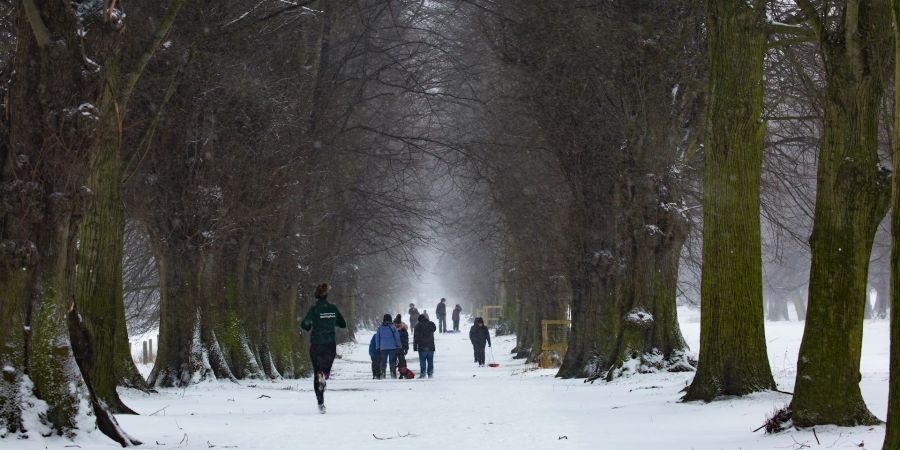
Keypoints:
pixel 514 406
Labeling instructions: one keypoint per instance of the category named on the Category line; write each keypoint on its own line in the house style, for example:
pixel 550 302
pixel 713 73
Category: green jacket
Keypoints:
pixel 321 319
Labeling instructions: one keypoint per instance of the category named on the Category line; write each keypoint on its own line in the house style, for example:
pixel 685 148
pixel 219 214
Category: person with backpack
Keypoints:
pixel 413 315
pixel 387 341
pixel 423 342
pixel 480 336
pixel 441 312
pixel 320 321
pixel 456 312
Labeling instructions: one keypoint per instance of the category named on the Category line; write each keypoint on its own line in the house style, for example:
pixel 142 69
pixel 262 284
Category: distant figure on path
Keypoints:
pixel 423 342
pixel 480 336
pixel 388 344
pixel 320 320
pixel 413 315
pixel 456 311
pixel 441 312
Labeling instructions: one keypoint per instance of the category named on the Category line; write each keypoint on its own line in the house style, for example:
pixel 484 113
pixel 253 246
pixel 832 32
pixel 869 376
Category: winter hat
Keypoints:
pixel 423 317
pixel 386 319
pixel 398 319
pixel 412 305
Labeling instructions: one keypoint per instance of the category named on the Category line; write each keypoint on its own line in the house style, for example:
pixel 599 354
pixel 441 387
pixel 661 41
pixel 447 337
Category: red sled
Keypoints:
pixel 406 373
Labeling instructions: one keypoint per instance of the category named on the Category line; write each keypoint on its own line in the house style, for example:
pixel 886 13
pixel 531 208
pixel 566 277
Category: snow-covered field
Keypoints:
pixel 514 406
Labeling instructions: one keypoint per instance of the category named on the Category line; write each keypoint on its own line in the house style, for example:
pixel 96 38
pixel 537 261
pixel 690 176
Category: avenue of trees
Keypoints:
pixel 199 166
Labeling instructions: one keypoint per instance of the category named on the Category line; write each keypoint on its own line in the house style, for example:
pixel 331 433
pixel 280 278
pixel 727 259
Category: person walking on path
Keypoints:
pixel 413 315
pixel 480 336
pixel 388 344
pixel 456 311
pixel 423 342
pixel 404 341
pixel 320 321
pixel 441 312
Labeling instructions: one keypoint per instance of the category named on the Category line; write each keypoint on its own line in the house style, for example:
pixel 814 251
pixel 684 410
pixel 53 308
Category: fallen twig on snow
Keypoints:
pixel 800 445
pixel 211 445
pixel 817 436
pixel 394 437
pixel 644 387
pixel 159 410
pixel 263 396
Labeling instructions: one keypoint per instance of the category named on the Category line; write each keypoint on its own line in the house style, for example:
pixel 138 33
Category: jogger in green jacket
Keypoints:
pixel 320 320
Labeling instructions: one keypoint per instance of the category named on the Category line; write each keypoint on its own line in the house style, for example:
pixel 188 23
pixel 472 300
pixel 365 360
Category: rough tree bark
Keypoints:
pixel 188 349
pixel 733 359
pixel 892 431
pixel 52 129
pixel 852 196
pixel 102 235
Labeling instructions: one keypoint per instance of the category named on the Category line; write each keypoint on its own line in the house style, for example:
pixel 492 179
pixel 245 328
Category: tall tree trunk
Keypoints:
pixel 646 326
pixel 892 430
pixel 234 308
pixel 188 349
pixel 883 299
pixel 777 309
pixel 509 303
pixel 102 235
pixel 101 244
pixel 733 359
pixel 52 125
pixel 48 359
pixel 800 307
pixel 595 289
pixel 851 199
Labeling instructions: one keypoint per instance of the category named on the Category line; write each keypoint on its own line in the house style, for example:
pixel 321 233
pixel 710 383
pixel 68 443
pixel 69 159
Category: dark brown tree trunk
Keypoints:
pixel 647 324
pixel 852 196
pixel 595 290
pixel 101 240
pixel 892 430
pixel 189 351
pixel 733 358
pixel 52 128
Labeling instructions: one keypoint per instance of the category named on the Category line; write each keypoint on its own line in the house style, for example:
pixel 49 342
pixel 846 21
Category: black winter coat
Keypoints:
pixel 404 339
pixel 456 312
pixel 423 335
pixel 479 335
pixel 441 310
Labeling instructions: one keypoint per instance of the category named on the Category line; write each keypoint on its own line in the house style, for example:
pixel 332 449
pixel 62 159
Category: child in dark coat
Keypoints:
pixel 373 355
pixel 402 368
pixel 480 336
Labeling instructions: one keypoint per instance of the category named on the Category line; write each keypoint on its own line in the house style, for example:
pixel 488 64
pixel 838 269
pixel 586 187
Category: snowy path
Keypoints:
pixel 466 407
